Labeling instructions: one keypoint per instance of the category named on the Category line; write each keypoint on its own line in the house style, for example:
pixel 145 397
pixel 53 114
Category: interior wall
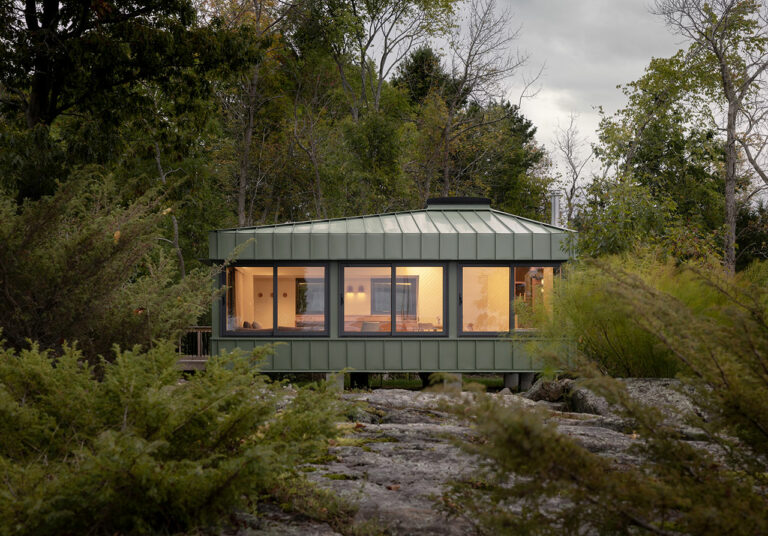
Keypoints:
pixel 249 306
pixel 356 302
pixel 430 293
pixel 485 294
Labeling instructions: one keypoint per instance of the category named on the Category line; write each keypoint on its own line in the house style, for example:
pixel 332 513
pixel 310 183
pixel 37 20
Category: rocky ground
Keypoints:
pixel 398 453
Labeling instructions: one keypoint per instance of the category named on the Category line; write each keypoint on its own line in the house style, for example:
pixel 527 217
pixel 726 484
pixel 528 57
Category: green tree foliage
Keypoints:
pixel 145 450
pixel 714 328
pixel 421 73
pixel 618 215
pixel 61 55
pixel 83 266
pixel 665 157
pixel 78 58
pixel 752 236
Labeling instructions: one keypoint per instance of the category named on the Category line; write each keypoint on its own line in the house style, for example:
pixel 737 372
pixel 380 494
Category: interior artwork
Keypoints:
pixel 301 302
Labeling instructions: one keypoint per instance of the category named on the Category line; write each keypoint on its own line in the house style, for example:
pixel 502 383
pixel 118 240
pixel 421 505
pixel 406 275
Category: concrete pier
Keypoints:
pixel 526 380
pixel 512 381
pixel 335 380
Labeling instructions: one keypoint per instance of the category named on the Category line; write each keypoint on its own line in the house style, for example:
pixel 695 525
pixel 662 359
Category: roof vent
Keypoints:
pixel 456 203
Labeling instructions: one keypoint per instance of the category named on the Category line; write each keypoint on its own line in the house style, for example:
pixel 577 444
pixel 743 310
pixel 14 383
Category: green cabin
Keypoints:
pixel 438 289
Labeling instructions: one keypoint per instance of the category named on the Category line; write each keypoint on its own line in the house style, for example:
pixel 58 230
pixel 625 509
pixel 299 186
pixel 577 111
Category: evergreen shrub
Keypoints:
pixel 145 449
pixel 708 477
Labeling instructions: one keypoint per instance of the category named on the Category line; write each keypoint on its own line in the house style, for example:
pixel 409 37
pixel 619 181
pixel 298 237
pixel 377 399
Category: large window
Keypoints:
pixel 419 299
pixel 533 293
pixel 484 299
pixel 417 296
pixel 295 294
pixel 250 299
pixel 301 298
pixel 367 299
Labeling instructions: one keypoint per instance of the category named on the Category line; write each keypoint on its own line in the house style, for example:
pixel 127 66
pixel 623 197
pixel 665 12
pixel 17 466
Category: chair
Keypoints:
pixel 370 326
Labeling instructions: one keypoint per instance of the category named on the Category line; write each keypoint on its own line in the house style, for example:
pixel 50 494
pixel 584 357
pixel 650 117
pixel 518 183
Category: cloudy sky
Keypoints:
pixel 588 47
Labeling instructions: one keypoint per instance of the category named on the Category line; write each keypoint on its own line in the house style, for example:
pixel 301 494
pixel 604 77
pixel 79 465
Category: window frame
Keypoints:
pixel 274 333
pixel 393 333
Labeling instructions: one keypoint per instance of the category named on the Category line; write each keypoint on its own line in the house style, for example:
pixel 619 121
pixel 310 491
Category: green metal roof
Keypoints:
pixel 443 232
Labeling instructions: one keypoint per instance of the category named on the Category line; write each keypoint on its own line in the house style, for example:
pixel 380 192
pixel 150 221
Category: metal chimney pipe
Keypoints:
pixel 555 196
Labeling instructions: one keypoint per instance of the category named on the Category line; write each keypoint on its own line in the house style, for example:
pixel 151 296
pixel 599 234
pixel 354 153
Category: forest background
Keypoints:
pixel 128 130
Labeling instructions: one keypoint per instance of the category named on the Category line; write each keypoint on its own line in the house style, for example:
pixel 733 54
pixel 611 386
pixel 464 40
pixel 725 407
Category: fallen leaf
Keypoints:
pixel 393 487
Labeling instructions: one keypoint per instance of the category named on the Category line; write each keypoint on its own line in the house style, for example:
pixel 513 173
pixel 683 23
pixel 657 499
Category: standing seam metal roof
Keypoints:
pixel 445 233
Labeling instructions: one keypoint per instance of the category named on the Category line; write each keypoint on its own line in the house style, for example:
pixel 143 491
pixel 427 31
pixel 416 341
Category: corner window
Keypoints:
pixel 293 295
pixel 250 300
pixel 533 293
pixel 484 299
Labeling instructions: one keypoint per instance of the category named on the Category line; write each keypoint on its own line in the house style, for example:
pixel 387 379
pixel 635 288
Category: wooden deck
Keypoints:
pixel 194 348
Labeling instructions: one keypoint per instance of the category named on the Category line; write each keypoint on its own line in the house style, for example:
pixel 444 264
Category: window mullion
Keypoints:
pixel 392 296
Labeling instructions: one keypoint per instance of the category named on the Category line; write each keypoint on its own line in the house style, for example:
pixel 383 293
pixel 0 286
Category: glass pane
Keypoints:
pixel 419 298
pixel 533 291
pixel 485 298
pixel 249 299
pixel 367 299
pixel 301 298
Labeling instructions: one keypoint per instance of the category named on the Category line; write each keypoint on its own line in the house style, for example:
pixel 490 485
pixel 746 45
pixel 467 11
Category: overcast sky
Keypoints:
pixel 589 47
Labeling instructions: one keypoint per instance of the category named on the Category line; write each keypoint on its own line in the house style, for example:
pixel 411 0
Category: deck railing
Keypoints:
pixel 195 347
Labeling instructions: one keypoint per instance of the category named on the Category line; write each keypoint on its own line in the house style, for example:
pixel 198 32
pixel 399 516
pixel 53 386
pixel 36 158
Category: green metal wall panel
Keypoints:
pixel 264 245
pixel 542 245
pixel 466 355
pixel 300 246
pixel 226 244
pixel 429 355
pixel 379 355
pixel 337 248
pixel 486 247
pixel 467 246
pixel 411 355
pixel 374 355
pixel 523 247
pixel 356 357
pixel 374 246
pixel 447 355
pixel 393 354
pixel 213 250
pixel 393 246
pixel 318 355
pixel 502 355
pixel 430 246
pixel 484 355
pixel 355 246
pixel 337 358
pixel 411 246
pixel 282 246
pixel 318 246
pixel 505 246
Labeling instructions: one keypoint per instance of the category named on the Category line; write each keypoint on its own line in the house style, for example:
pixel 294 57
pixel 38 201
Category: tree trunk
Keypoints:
pixel 730 190
pixel 245 158
pixel 447 157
